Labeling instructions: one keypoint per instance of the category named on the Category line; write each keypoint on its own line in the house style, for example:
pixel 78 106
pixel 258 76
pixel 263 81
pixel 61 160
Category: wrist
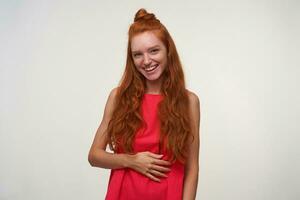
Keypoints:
pixel 128 161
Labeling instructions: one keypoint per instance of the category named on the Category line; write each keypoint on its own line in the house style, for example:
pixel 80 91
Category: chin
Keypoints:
pixel 153 78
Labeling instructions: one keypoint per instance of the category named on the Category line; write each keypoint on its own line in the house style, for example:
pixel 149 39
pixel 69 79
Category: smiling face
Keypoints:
pixel 149 55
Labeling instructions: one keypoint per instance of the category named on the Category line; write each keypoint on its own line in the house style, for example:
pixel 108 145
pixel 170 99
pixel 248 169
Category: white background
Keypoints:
pixel 60 59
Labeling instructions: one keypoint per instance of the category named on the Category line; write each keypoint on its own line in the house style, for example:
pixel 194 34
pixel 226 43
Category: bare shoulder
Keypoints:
pixel 194 106
pixel 110 104
pixel 113 93
pixel 193 98
pixel 112 97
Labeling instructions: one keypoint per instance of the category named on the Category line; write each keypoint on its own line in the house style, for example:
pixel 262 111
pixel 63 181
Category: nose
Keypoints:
pixel 147 60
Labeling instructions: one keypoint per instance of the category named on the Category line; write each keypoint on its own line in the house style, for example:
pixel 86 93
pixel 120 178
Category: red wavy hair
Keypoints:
pixel 173 110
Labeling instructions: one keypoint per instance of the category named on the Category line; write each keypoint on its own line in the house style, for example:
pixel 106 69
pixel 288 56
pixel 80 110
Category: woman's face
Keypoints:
pixel 149 55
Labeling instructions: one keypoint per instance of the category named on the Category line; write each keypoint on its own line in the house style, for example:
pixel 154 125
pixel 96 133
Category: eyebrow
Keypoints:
pixel 148 48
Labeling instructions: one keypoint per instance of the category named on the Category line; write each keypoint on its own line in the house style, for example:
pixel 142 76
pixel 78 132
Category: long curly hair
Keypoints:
pixel 173 110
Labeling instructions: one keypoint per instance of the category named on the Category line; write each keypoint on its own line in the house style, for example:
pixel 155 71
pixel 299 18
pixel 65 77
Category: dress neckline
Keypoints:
pixel 150 94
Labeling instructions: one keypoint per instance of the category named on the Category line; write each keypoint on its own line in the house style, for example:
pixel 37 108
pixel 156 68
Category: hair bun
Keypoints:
pixel 142 14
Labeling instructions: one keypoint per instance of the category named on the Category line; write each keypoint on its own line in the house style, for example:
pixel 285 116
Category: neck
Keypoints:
pixel 154 87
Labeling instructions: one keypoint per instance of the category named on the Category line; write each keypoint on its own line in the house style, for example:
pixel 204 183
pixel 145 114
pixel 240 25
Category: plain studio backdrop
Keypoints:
pixel 60 59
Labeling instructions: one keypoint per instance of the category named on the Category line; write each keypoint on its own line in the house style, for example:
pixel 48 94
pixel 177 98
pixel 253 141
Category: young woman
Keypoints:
pixel 150 122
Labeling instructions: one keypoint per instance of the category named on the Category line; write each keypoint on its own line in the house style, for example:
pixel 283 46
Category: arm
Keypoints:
pixel 192 164
pixel 98 157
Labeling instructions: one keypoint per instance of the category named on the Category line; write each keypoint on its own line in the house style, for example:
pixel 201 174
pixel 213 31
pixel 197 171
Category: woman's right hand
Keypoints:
pixel 150 164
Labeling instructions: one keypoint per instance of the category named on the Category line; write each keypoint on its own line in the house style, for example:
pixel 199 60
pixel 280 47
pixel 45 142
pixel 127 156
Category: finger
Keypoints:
pixel 155 155
pixel 157 173
pixel 160 168
pixel 162 162
pixel 152 177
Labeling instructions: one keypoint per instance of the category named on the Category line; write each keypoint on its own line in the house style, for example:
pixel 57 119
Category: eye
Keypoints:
pixel 136 55
pixel 154 50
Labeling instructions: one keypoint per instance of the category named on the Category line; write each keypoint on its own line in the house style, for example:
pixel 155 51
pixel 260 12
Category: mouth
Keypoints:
pixel 151 68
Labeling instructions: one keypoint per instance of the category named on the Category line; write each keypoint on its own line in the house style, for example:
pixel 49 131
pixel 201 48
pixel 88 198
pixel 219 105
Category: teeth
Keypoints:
pixel 151 68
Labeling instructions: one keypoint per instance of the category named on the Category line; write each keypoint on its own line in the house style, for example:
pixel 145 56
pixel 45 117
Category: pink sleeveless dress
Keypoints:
pixel 128 184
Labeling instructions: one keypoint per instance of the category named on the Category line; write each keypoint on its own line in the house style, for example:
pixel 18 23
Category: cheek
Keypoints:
pixel 137 63
pixel 161 57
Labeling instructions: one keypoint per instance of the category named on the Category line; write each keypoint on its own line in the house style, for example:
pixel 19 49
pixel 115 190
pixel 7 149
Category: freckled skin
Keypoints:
pixel 148 51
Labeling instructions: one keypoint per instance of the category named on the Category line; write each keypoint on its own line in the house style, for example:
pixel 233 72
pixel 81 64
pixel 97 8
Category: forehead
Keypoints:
pixel 145 40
